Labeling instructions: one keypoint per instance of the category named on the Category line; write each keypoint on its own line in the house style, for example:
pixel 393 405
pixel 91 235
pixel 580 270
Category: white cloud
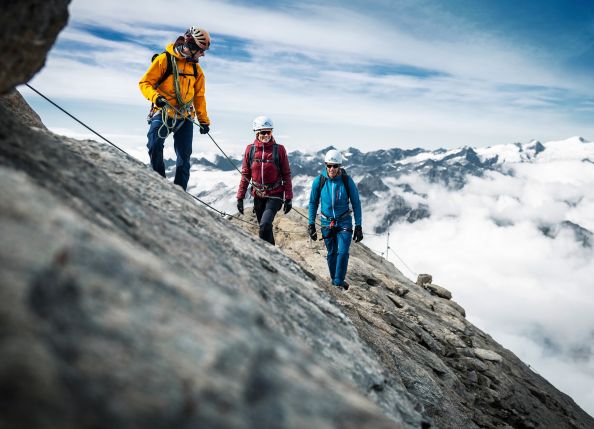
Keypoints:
pixel 530 292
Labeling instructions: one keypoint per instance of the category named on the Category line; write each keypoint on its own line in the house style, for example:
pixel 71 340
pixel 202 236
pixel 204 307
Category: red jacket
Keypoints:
pixel 266 178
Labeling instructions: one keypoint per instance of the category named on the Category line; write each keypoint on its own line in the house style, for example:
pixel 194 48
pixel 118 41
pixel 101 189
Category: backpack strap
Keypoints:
pixel 320 186
pixel 345 181
pixel 195 74
pixel 251 155
pixel 168 70
pixel 275 157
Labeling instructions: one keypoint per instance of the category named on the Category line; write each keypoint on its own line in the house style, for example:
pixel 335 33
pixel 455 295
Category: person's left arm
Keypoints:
pixel 355 201
pixel 285 172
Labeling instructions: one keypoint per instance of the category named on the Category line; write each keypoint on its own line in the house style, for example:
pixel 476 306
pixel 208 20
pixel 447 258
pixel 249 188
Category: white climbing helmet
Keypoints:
pixel 199 36
pixel 262 123
pixel 333 157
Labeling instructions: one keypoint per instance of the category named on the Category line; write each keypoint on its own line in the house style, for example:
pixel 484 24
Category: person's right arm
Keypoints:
pixel 314 200
pixel 246 174
pixel 151 77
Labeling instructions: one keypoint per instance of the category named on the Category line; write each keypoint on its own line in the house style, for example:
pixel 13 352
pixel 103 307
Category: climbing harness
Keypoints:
pixel 332 230
pixel 337 218
pixel 261 189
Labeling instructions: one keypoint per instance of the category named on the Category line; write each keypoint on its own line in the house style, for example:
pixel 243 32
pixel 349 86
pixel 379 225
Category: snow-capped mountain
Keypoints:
pixel 393 183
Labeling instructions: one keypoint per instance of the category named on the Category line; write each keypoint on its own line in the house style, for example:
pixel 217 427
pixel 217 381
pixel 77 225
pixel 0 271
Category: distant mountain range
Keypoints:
pixel 392 182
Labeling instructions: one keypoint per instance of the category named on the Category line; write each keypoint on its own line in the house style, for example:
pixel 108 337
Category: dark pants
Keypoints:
pixel 182 143
pixel 266 209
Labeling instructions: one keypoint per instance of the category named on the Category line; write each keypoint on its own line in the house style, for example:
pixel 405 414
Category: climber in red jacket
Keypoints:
pixel 266 166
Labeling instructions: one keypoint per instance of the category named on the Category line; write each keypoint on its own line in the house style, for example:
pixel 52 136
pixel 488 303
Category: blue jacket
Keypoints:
pixel 334 201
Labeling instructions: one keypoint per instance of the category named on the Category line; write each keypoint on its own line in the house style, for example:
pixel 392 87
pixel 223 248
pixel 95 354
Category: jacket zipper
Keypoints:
pixel 262 163
pixel 333 197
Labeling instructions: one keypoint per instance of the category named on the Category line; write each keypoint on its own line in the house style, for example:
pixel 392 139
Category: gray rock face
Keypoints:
pixel 439 291
pixel 28 29
pixel 17 105
pixel 126 304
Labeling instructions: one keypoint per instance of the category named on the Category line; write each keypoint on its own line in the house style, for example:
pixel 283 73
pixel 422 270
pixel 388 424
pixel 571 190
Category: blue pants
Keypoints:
pixel 338 243
pixel 182 143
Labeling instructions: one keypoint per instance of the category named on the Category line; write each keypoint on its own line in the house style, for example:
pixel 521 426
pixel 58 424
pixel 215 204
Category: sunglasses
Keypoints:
pixel 265 133
pixel 332 165
pixel 194 48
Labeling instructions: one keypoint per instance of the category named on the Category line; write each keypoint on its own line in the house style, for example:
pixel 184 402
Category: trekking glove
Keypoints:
pixel 160 101
pixel 288 206
pixel 204 128
pixel 358 234
pixel 311 230
pixel 240 206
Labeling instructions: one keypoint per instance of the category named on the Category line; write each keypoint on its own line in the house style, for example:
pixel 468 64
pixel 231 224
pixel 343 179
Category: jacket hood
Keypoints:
pixel 170 48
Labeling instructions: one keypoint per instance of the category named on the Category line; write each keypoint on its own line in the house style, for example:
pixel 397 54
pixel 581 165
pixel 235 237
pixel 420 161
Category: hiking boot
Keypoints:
pixel 345 285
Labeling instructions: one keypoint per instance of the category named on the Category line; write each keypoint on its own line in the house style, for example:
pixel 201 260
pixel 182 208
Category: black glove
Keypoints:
pixel 160 101
pixel 311 230
pixel 204 128
pixel 358 234
pixel 288 206
pixel 240 206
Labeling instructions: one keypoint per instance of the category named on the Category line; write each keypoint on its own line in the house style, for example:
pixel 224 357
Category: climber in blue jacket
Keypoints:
pixel 334 188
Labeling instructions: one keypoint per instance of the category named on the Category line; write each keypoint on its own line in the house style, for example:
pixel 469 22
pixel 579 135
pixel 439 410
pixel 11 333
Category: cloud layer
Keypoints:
pixel 531 292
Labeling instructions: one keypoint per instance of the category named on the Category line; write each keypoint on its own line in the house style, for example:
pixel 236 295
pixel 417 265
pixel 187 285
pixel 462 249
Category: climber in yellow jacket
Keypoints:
pixel 174 83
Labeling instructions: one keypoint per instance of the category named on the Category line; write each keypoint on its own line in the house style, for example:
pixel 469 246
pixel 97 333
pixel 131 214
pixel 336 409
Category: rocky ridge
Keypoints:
pixel 121 289
pixel 460 374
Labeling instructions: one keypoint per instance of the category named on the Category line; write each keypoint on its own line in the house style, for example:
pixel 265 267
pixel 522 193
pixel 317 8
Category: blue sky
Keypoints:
pixel 372 75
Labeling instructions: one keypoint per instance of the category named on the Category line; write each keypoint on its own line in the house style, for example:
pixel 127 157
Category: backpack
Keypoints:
pixel 345 181
pixel 169 69
pixel 275 157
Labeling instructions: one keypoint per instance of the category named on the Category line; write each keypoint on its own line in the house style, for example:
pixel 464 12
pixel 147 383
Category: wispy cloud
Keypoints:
pixel 325 68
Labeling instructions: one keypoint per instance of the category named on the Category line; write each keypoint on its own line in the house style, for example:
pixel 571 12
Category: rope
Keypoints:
pixel 127 154
pixel 193 196
pixel 178 113
pixel 199 125
pixel 219 211
pixel 80 122
pixel 376 251
pixel 403 263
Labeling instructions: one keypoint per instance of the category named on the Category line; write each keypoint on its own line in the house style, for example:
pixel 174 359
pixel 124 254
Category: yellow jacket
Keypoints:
pixel 191 88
